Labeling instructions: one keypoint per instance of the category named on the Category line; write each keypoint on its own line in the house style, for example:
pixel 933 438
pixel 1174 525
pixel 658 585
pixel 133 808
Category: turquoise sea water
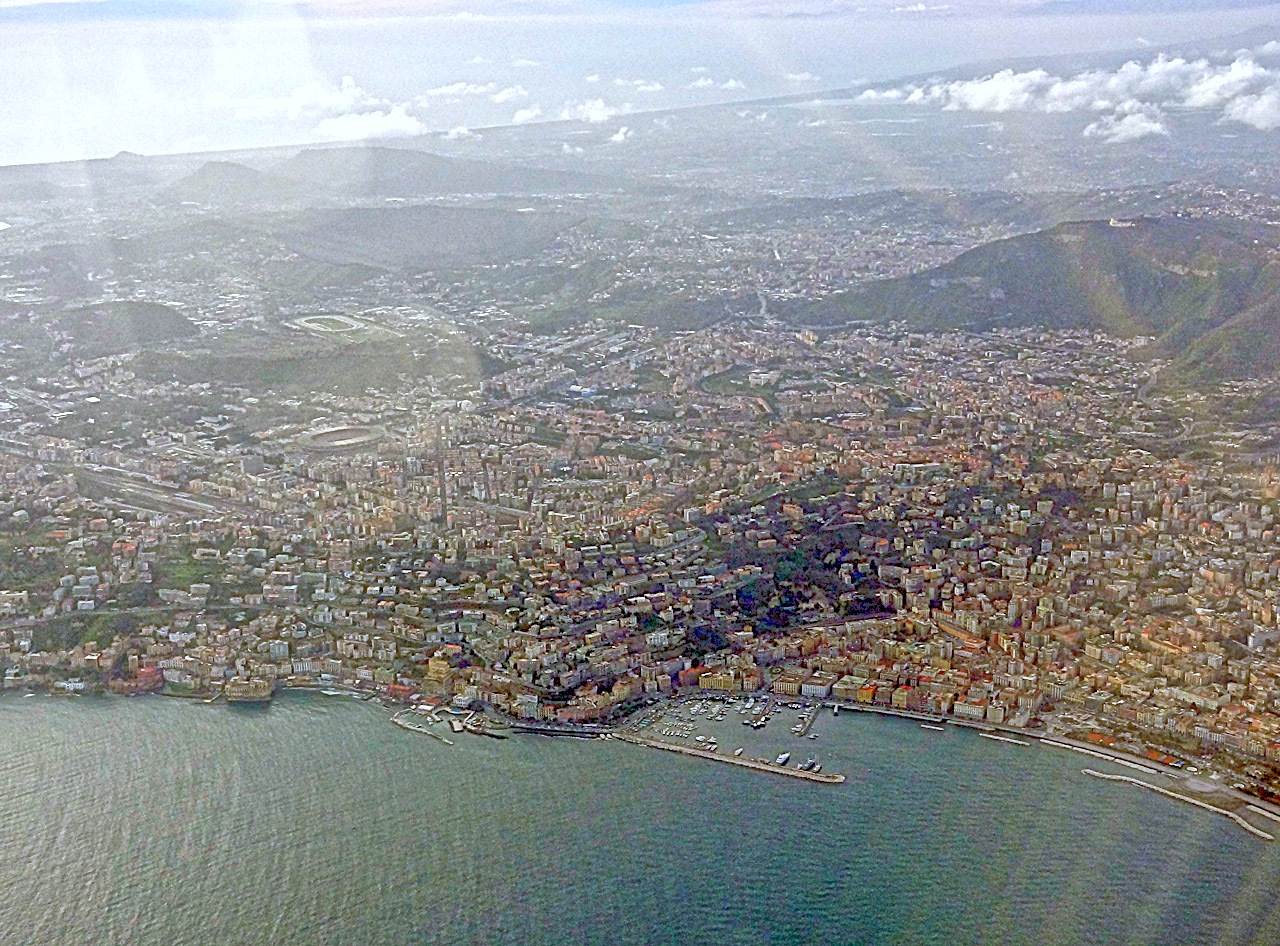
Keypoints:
pixel 156 822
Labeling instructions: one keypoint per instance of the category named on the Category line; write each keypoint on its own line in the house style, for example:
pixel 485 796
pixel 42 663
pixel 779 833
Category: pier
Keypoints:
pixel 998 738
pixel 1190 801
pixel 828 778
pixel 401 719
pixel 577 730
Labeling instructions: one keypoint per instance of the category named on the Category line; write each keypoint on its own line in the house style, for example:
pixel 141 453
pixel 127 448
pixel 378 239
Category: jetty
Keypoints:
pixel 402 720
pixel 829 778
pixel 1179 797
pixel 1105 756
pixel 1014 742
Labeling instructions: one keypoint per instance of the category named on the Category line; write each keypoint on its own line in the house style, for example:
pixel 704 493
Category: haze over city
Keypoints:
pixel 550 472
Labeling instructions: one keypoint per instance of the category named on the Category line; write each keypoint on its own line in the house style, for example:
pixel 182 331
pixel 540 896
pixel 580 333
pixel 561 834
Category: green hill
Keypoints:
pixel 1208 291
pixel 114 327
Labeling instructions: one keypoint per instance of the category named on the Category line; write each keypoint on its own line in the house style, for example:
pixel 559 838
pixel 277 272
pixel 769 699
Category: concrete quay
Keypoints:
pixel 828 778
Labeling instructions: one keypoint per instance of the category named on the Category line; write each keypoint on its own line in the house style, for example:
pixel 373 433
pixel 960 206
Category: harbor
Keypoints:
pixel 758 765
pixel 746 731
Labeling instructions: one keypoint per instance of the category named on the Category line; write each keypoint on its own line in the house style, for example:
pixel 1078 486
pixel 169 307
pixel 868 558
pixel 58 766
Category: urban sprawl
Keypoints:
pixel 982 527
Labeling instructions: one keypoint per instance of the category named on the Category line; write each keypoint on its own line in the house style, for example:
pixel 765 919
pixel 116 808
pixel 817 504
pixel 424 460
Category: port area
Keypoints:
pixel 763 732
pixel 758 765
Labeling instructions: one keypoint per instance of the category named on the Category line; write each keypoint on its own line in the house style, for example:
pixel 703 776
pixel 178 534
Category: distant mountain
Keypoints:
pixel 1208 290
pixel 227 183
pixel 363 172
pixel 420 236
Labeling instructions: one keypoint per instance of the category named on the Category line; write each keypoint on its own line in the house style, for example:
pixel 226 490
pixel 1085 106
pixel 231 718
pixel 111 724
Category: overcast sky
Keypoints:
pixel 90 78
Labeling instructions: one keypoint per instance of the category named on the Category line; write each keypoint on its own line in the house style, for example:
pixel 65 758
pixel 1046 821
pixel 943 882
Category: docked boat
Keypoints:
pixel 808 764
pixel 738 751
pixel 782 759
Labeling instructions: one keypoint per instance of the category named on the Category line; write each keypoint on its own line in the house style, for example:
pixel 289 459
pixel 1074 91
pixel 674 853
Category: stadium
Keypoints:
pixel 345 437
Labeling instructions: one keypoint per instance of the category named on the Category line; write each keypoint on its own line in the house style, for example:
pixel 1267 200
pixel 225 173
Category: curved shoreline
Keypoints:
pixel 1116 756
pixel 1185 798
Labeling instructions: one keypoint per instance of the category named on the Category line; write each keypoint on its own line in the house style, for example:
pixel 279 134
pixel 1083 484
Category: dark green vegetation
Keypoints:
pixel 113 327
pixel 1207 291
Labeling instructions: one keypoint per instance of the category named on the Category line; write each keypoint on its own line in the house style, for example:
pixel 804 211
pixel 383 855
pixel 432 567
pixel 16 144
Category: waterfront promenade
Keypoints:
pixel 828 778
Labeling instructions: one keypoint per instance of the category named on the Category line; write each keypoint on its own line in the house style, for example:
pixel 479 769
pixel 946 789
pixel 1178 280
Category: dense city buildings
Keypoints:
pixel 987 526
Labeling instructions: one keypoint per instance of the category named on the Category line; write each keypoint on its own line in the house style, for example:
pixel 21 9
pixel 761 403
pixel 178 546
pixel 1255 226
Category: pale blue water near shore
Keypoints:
pixel 154 822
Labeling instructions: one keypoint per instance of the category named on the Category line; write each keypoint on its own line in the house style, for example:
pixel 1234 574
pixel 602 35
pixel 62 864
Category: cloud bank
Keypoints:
pixel 1132 102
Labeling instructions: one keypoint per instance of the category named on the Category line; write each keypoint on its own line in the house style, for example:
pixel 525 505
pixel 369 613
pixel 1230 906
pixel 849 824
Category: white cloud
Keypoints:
pixel 801 77
pixel 1261 111
pixel 1131 124
pixel 1131 101
pixel 477 61
pixel 729 85
pixel 566 148
pixel 593 78
pixel 699 70
pixel 394 122
pixel 640 85
pixel 460 133
pixel 310 102
pixel 621 135
pixel 461 88
pixel 525 63
pixel 594 111
pixel 525 115
pixel 511 93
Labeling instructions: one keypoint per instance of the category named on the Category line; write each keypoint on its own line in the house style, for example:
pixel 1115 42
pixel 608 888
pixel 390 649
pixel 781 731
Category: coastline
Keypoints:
pixel 1185 798
pixel 1239 800
pixel 1242 800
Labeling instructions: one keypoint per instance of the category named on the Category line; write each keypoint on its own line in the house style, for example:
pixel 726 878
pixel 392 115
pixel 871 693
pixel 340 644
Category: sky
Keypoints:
pixel 91 78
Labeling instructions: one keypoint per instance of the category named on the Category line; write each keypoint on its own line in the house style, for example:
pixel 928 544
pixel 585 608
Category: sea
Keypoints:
pixel 315 821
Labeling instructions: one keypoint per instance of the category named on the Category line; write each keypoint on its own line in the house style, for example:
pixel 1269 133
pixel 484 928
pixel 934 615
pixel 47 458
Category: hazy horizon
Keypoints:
pixel 92 79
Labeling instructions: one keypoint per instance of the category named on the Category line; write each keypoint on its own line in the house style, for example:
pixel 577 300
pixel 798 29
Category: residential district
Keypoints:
pixel 1006 528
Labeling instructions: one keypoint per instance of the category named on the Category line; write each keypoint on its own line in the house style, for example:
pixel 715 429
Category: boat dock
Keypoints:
pixel 1190 801
pixel 402 720
pixel 828 778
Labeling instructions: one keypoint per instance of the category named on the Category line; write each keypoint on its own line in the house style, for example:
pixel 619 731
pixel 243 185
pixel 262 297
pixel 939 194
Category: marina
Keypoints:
pixel 758 765
pixel 419 723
